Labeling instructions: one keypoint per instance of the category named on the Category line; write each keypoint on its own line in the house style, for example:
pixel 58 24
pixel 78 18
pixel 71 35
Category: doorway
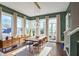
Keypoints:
pixel 52 29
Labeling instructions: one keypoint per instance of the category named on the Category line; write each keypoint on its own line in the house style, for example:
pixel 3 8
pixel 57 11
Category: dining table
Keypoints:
pixel 32 40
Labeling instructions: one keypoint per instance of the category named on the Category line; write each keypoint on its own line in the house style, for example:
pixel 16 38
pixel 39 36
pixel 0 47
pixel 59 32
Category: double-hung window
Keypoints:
pixel 6 25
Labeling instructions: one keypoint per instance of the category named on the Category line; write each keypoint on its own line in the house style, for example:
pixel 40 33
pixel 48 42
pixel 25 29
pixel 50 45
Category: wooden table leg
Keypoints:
pixel 2 50
pixel 29 48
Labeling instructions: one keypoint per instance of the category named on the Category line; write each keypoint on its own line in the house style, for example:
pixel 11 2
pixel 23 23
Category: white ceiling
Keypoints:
pixel 30 9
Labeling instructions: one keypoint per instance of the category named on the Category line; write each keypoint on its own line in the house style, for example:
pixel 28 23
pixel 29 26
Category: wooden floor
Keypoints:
pixel 56 51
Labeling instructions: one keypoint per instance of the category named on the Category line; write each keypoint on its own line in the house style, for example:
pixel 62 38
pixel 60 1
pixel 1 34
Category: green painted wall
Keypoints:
pixel 73 44
pixel 73 9
pixel 63 21
pixel 43 16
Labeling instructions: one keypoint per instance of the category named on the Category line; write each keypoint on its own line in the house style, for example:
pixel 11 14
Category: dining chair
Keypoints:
pixel 37 46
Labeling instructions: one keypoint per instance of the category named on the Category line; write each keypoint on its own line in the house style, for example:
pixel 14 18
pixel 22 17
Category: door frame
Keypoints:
pixel 58 32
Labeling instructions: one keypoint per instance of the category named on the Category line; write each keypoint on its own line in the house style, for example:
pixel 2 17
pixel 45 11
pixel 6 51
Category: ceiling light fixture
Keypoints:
pixel 38 6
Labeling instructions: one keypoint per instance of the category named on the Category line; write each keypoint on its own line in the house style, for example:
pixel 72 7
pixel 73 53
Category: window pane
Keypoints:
pixel 42 26
pixel 33 25
pixel 52 27
pixel 6 25
pixel 19 26
pixel 27 26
